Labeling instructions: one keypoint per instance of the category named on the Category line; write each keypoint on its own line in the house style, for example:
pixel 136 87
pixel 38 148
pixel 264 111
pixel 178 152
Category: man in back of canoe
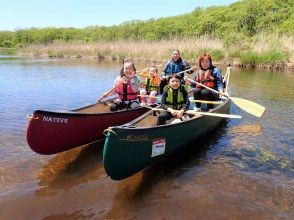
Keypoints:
pixel 174 100
pixel 210 76
pixel 126 85
pixel 175 65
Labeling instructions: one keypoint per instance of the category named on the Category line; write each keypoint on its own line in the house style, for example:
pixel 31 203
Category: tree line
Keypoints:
pixel 235 23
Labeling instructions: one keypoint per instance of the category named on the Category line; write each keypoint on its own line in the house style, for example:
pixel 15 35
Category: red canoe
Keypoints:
pixel 51 132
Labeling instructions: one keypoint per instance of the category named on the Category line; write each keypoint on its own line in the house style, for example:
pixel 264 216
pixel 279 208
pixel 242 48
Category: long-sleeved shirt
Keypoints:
pixel 175 67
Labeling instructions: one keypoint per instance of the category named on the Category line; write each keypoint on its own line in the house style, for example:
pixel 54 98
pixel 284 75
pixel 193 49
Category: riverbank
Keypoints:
pixel 265 53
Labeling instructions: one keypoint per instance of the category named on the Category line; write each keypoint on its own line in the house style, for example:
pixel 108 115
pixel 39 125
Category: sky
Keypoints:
pixel 21 14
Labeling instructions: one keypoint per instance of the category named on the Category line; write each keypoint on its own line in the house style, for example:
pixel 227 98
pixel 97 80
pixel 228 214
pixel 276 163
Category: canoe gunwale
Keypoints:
pixel 130 124
pixel 74 112
pixel 109 99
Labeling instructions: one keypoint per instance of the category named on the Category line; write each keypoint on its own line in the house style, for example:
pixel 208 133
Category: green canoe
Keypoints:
pixel 134 146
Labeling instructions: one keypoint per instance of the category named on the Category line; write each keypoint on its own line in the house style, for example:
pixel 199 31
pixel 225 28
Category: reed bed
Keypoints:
pixel 267 51
pixel 143 50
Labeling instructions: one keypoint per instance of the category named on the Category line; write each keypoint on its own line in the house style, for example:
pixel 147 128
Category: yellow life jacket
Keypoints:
pixel 170 102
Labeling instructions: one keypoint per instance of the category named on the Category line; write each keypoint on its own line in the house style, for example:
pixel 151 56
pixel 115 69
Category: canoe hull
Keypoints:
pixel 130 150
pixel 54 132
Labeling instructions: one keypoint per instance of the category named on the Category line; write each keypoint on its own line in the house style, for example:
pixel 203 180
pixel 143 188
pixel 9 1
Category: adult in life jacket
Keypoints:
pixel 127 87
pixel 175 65
pixel 151 84
pixel 174 99
pixel 210 76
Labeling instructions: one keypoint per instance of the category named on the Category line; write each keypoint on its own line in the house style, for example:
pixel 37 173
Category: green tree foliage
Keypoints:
pixel 238 22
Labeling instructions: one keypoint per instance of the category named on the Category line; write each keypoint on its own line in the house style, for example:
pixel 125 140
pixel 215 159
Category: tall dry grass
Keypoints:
pixel 271 51
pixel 144 50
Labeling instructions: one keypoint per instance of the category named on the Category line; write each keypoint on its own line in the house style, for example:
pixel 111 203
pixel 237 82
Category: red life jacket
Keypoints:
pixel 125 92
pixel 204 78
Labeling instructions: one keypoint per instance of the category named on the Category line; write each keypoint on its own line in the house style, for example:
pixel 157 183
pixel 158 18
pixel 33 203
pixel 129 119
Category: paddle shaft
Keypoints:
pixel 110 91
pixel 185 70
pixel 213 114
pixel 200 101
pixel 207 102
pixel 227 78
pixel 202 113
pixel 150 96
pixel 200 84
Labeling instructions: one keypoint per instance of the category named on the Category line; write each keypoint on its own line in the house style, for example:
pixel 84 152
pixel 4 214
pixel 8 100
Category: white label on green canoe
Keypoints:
pixel 158 147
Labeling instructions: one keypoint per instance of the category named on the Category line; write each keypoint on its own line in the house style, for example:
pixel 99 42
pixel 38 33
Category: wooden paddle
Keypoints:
pixel 227 78
pixel 203 113
pixel 186 70
pixel 110 91
pixel 183 71
pixel 191 100
pixel 213 114
pixel 207 102
pixel 248 106
pixel 150 96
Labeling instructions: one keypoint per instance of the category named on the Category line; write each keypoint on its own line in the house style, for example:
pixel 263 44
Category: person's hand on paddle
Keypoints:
pixel 180 113
pixel 104 95
pixel 122 80
pixel 172 111
pixel 223 93
pixel 193 68
pixel 187 79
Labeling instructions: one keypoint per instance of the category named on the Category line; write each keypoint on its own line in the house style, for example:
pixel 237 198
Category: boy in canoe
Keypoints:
pixel 126 85
pixel 174 100
pixel 151 84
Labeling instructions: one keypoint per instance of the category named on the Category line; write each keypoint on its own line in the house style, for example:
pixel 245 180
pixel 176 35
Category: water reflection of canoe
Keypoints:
pixel 71 168
pixel 51 132
pixel 136 145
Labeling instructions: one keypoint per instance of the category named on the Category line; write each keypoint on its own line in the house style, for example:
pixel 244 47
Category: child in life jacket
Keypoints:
pixel 127 87
pixel 210 76
pixel 151 84
pixel 174 99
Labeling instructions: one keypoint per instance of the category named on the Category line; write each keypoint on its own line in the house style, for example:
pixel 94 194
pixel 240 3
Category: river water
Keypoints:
pixel 245 170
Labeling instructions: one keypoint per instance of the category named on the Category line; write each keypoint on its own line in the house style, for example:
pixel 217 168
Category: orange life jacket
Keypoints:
pixel 205 78
pixel 125 92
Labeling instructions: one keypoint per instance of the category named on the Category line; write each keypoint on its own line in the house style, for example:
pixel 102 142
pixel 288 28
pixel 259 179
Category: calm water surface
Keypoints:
pixel 245 170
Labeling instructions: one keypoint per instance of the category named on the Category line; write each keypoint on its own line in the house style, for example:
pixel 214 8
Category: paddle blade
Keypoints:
pixel 249 106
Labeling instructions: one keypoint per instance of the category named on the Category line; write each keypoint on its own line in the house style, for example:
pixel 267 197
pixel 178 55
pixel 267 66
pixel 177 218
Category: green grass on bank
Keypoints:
pixel 7 51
